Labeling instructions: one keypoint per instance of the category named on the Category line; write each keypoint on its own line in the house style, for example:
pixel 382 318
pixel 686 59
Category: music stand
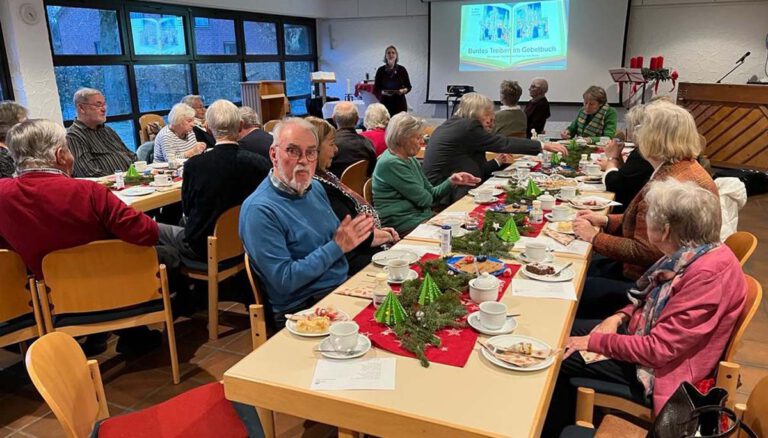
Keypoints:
pixel 628 76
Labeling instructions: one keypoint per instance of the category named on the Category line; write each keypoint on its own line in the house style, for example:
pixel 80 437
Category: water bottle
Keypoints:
pixel 445 240
pixel 119 180
pixel 536 215
pixel 546 160
pixel 583 162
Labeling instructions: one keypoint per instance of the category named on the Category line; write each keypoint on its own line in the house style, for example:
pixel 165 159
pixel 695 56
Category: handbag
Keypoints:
pixel 675 418
pixel 731 426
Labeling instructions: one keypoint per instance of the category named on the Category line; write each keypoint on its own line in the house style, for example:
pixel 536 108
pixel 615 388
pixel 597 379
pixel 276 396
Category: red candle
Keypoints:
pixel 660 61
pixel 639 62
pixel 633 63
pixel 653 63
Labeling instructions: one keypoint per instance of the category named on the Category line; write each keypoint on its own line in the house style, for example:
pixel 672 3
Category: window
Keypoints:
pixel 111 80
pixel 262 71
pixel 160 86
pixel 219 81
pixel 157 34
pixel 68 38
pixel 297 40
pixel 260 38
pixel 297 80
pixel 215 36
pixel 125 130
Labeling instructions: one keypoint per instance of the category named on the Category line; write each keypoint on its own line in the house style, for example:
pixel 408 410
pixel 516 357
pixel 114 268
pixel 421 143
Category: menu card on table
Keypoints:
pixel 335 375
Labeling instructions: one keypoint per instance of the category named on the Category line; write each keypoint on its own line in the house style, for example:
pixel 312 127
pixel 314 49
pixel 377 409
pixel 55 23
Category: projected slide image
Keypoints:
pixel 530 35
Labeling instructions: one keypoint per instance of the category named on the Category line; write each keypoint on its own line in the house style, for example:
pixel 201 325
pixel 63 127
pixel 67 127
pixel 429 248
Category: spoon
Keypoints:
pixel 562 269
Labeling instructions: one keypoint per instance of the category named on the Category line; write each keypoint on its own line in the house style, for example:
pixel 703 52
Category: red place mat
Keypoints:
pixel 479 214
pixel 457 343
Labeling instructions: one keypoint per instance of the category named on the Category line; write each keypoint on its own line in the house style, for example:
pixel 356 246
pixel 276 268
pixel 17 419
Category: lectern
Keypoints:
pixel 734 120
pixel 266 97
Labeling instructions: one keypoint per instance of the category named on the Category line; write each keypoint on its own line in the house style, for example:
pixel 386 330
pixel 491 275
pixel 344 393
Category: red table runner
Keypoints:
pixel 457 343
pixel 479 214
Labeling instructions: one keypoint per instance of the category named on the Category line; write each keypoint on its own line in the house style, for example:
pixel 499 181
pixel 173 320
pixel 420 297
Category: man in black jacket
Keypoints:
pixel 353 147
pixel 537 109
pixel 252 137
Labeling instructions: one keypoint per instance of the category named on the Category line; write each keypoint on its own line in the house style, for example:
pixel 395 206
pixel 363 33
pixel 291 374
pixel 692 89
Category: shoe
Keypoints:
pixel 95 344
pixel 138 340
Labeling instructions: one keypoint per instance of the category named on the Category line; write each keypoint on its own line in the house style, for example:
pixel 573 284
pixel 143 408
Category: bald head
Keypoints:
pixel 345 115
pixel 538 88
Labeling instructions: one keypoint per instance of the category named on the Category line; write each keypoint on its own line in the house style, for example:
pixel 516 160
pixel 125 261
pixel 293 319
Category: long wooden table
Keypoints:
pixel 479 399
pixel 159 198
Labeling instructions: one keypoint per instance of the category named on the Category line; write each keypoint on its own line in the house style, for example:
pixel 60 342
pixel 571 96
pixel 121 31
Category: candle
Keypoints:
pixel 639 62
pixel 632 62
pixel 348 86
pixel 653 63
pixel 660 62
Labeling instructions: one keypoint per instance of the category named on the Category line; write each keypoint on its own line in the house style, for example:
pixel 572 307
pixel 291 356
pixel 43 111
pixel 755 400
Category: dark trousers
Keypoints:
pixel 605 289
pixel 562 408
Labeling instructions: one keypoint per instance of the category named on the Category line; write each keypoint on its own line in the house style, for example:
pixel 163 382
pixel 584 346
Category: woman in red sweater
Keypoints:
pixel 376 121
pixel 682 313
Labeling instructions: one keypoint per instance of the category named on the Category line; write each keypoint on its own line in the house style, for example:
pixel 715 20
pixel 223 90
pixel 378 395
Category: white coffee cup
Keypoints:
pixel 593 169
pixel 344 335
pixel 483 195
pixel 455 225
pixel 140 166
pixel 162 179
pixel 536 251
pixel 561 212
pixel 397 270
pixel 493 315
pixel 567 192
pixel 523 173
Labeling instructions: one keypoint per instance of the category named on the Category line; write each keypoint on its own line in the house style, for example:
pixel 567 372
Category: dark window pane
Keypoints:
pixel 112 80
pixel 161 86
pixel 67 27
pixel 297 41
pixel 299 107
pixel 155 34
pixel 125 130
pixel 262 71
pixel 219 81
pixel 214 36
pixel 260 38
pixel 297 78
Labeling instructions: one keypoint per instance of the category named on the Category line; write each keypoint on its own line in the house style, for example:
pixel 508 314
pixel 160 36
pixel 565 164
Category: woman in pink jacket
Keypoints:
pixel 683 311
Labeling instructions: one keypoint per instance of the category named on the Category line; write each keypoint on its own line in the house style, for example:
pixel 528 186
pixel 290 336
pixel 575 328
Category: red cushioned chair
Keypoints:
pixel 71 385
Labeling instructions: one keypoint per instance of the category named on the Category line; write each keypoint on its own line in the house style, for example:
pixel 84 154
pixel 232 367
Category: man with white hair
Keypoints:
pixel 97 148
pixel 195 101
pixel 289 230
pixel 252 137
pixel 353 147
pixel 537 109
pixel 214 182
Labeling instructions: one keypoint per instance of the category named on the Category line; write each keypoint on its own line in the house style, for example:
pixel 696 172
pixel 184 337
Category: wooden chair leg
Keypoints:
pixel 258 325
pixel 728 379
pixel 213 307
pixel 174 355
pixel 585 405
pixel 267 419
pixel 345 433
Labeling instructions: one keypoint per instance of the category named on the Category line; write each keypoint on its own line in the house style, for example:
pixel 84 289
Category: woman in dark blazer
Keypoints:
pixel 392 83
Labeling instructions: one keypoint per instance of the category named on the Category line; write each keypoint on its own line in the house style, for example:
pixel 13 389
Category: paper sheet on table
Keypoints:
pixel 576 247
pixel 338 375
pixel 425 231
pixel 495 181
pixel 591 187
pixel 419 250
pixel 562 290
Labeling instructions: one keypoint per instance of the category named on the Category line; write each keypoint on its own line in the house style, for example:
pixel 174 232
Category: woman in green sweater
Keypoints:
pixel 401 192
pixel 596 119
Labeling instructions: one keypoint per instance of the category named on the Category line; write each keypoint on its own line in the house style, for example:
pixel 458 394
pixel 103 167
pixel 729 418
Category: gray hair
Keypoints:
pixel 33 143
pixel 542 83
pixel 510 92
pixel 400 127
pixel 473 105
pixel 179 113
pixel 223 119
pixel 189 99
pixel 634 119
pixel 691 212
pixel 345 115
pixel 597 94
pixel 249 117
pixel 11 113
pixel 293 121
pixel 376 116
pixel 83 94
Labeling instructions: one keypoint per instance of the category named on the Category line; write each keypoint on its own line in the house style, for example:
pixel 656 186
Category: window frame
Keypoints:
pixel 5 72
pixel 192 58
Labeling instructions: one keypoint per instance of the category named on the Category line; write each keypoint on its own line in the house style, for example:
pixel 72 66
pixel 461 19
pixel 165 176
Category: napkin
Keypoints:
pixel 562 290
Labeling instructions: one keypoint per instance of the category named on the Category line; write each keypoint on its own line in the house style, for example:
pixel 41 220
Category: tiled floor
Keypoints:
pixel 139 381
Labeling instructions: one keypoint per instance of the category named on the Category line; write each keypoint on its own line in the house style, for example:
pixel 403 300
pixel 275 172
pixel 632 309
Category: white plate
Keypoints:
pixel 495 192
pixel 524 258
pixel 474 321
pixel 362 347
pixel 549 217
pixel 553 226
pixel 490 201
pixel 591 179
pixel 158 165
pixel 291 325
pixel 381 258
pixel 510 340
pixel 412 275
pixel 524 163
pixel 459 233
pixel 576 202
pixel 138 191
pixel 565 275
pixel 505 173
pixel 154 184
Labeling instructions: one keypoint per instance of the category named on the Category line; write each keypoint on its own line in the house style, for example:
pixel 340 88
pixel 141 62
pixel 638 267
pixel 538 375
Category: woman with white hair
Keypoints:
pixel 401 192
pixel 682 312
pixel 460 144
pixel 376 120
pixel 177 139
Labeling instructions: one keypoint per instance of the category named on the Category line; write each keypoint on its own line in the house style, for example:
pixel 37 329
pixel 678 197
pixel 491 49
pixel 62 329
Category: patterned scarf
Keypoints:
pixel 595 126
pixel 361 205
pixel 653 291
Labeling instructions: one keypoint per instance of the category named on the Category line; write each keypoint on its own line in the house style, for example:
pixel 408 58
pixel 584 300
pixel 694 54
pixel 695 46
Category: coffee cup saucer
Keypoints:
pixel 412 275
pixel 548 258
pixel 363 346
pixel 474 321
pixel 491 200
pixel 551 218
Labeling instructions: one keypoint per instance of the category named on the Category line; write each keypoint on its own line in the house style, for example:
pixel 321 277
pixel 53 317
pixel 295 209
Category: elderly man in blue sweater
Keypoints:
pixel 294 239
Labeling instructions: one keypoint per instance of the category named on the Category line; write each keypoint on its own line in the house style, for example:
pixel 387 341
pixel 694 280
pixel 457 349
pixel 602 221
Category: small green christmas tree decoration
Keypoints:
pixel 391 312
pixel 509 233
pixel 429 291
pixel 532 190
pixel 132 172
pixel 555 161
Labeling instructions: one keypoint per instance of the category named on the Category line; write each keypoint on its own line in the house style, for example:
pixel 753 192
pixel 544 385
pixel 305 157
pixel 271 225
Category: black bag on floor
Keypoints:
pixel 755 181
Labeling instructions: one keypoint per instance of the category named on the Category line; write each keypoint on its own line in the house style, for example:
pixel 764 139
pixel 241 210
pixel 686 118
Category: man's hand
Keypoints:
pixel 464 179
pixel 555 147
pixel 353 232
pixel 402 91
pixel 504 158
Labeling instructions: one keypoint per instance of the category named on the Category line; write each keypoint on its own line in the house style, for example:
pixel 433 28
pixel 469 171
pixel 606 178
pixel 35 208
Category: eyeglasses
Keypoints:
pixel 296 153
pixel 97 105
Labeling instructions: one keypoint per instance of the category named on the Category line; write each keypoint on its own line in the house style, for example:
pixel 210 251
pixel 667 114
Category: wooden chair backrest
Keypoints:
pixel 228 242
pixel 742 244
pixel 368 191
pixel 270 125
pixel 752 303
pixel 257 296
pixel 756 415
pixel 101 275
pixel 354 176
pixel 63 376
pixel 145 120
pixel 15 298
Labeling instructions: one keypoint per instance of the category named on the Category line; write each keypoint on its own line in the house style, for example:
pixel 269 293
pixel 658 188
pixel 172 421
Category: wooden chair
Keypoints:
pixel 256 311
pixel 71 386
pixel 103 286
pixel 727 371
pixel 144 121
pixel 355 175
pixel 225 252
pixel 270 125
pixel 20 317
pixel 368 191
pixel 742 244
